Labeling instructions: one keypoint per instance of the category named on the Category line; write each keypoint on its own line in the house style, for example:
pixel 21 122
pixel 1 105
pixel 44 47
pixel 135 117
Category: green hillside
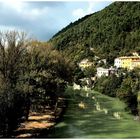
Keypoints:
pixel 111 32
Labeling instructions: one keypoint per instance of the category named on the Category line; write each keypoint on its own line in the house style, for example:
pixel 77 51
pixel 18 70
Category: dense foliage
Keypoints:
pixel 32 77
pixel 49 74
pixel 113 31
pixel 13 98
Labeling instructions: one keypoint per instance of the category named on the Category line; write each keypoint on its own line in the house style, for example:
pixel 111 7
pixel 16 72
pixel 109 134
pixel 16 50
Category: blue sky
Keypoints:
pixel 43 19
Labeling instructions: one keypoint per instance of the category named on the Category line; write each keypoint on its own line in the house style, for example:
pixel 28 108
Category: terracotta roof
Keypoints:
pixel 129 57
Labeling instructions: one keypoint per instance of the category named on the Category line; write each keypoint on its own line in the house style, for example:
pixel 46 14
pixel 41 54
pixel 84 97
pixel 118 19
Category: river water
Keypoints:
pixel 91 121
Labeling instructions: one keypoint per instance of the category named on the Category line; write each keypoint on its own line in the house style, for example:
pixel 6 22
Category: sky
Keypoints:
pixel 42 19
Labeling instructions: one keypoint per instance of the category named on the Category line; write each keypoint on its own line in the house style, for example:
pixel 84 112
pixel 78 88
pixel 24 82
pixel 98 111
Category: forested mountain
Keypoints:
pixel 111 32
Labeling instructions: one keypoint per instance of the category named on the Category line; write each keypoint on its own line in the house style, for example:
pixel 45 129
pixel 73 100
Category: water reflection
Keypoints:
pixel 89 122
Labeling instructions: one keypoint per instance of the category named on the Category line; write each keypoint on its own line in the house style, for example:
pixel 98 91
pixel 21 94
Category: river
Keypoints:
pixel 90 121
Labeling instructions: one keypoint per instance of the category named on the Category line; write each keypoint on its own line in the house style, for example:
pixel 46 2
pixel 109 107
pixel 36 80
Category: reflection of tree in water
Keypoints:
pixel 90 123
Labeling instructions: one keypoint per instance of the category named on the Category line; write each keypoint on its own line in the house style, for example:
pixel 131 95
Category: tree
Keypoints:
pixel 108 85
pixel 78 74
pixel 49 74
pixel 129 89
pixel 13 98
pixel 90 72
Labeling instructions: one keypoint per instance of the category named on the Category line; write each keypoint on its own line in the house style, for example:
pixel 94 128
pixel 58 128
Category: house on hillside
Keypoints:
pixel 136 64
pixel 129 62
pixel 85 63
pixel 105 72
pixel 102 71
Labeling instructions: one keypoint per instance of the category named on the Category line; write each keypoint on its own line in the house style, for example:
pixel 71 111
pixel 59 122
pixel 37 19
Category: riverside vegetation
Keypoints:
pixel 32 76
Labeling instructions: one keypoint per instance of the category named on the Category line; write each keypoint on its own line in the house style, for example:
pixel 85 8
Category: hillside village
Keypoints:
pixel 126 62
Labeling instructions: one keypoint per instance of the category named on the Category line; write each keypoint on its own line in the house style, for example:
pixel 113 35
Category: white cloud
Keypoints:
pixel 22 8
pixel 34 14
pixel 91 5
pixel 13 4
pixel 78 12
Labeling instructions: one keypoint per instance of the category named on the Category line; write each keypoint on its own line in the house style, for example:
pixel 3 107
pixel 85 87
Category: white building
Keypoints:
pixel 75 86
pixel 102 71
pixel 129 62
pixel 102 60
pixel 117 62
pixel 106 72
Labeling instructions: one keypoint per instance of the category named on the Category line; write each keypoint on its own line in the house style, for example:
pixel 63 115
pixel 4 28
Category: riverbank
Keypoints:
pixel 39 124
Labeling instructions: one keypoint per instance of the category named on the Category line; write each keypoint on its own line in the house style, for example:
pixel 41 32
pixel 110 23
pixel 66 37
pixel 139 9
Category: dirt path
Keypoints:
pixel 38 124
pixel 35 124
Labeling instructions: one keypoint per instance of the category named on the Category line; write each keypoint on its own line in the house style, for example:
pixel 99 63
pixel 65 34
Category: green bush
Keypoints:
pixel 13 109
